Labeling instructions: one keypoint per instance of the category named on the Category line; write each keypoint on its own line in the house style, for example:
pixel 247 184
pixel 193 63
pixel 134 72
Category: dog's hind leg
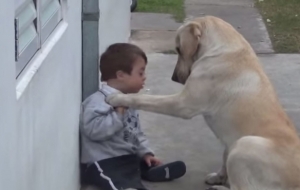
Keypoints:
pixel 252 164
pixel 219 178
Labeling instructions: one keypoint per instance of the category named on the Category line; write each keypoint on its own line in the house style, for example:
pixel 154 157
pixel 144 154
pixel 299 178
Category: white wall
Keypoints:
pixel 39 114
pixel 8 126
pixel 114 24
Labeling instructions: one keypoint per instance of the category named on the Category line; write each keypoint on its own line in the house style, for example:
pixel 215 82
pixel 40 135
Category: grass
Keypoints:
pixel 174 7
pixel 282 18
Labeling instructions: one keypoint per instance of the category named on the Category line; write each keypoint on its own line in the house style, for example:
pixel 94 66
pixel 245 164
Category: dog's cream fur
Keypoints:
pixel 224 81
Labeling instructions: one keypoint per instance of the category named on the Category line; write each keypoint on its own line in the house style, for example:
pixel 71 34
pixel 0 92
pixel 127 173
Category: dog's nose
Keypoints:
pixel 174 77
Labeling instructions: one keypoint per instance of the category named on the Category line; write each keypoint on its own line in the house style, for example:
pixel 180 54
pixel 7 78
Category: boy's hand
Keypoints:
pixel 151 160
pixel 120 110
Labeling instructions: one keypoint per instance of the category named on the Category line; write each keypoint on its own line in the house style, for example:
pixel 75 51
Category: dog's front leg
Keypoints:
pixel 176 105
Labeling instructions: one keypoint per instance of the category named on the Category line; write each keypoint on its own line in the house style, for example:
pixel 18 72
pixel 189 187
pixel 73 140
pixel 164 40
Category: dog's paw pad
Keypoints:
pixel 215 179
pixel 113 99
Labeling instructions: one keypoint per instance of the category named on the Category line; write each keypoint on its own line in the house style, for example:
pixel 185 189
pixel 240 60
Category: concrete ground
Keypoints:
pixel 154 33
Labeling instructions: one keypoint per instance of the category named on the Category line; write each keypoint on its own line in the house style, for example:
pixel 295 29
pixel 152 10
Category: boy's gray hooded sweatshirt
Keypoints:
pixel 105 133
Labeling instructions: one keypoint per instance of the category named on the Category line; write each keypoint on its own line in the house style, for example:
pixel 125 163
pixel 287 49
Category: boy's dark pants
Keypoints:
pixel 115 173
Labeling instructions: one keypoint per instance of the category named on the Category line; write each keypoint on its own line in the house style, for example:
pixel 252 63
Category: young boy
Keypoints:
pixel 115 152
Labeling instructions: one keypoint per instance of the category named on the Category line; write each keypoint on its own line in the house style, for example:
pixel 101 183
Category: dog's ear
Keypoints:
pixel 190 40
pixel 195 29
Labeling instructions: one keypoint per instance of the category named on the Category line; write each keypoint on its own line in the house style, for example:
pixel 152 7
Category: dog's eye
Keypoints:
pixel 178 50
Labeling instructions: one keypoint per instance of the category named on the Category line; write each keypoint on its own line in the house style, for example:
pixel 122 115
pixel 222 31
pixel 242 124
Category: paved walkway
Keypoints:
pixel 154 33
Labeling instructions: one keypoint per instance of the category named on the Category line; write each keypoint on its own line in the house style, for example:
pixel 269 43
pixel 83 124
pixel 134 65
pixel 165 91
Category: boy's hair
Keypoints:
pixel 119 56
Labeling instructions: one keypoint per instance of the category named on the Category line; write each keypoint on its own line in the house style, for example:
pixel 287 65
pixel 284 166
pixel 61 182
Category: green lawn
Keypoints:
pixel 174 7
pixel 282 18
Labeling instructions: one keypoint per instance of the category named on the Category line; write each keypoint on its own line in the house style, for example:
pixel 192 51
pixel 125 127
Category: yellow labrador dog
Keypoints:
pixel 224 81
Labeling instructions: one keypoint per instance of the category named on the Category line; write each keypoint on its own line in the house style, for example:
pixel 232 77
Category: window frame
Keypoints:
pixel 42 32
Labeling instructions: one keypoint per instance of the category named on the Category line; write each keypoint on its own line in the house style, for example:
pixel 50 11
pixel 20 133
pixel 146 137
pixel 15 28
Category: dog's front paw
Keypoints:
pixel 215 179
pixel 115 100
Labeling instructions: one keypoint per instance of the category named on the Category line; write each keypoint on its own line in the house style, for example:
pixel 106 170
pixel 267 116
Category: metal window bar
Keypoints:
pixel 38 20
pixel 34 22
pixel 51 15
pixel 26 34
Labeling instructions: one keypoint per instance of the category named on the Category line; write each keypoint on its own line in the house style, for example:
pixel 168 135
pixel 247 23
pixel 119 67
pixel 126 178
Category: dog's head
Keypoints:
pixel 188 44
pixel 201 35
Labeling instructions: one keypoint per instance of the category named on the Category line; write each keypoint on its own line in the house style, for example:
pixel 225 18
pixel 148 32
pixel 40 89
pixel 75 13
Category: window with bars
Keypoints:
pixel 35 20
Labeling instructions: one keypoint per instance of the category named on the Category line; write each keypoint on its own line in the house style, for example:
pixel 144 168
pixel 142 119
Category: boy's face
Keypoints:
pixel 134 82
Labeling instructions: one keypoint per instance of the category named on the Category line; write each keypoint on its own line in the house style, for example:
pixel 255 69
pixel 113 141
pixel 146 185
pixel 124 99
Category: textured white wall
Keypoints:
pixel 8 137
pixel 39 120
pixel 114 24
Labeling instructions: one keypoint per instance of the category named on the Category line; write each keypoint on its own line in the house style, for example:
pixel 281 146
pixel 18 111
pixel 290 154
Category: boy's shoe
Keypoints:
pixel 165 172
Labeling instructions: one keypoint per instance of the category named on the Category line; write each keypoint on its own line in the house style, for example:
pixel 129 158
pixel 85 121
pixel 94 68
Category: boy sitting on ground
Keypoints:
pixel 115 152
